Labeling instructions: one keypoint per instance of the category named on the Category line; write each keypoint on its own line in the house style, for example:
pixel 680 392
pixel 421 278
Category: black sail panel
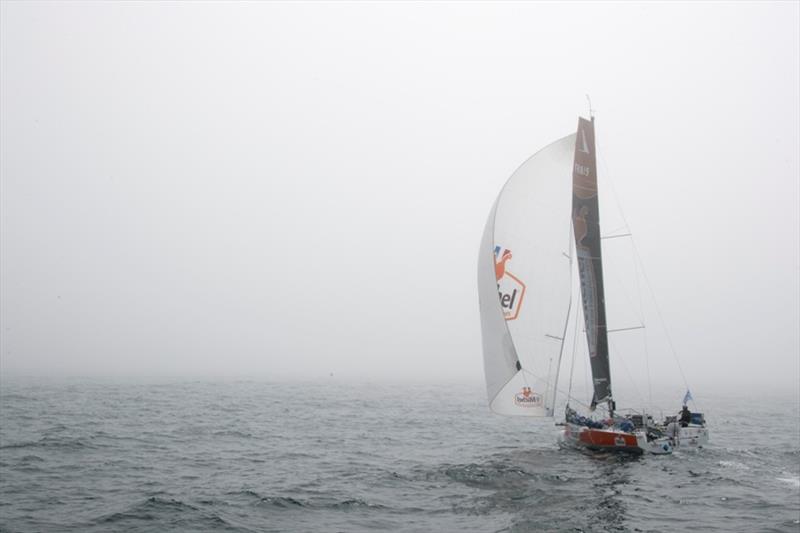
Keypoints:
pixel 586 225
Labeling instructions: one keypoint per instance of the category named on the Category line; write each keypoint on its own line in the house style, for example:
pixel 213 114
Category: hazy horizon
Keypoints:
pixel 220 191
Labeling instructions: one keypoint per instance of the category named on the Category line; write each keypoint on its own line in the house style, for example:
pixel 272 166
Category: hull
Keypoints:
pixel 692 436
pixel 614 441
pixel 605 440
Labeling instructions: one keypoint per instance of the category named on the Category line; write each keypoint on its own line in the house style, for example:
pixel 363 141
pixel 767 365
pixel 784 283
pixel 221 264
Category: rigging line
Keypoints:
pixel 618 357
pixel 614 271
pixel 570 236
pixel 574 346
pixel 660 316
pixel 631 328
pixel 644 337
pixel 613 230
pixel 613 188
pixel 644 273
pixel 587 371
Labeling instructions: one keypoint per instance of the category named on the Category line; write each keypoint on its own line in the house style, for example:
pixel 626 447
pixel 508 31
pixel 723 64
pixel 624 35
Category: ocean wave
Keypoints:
pixel 283 502
pixel 66 443
pixel 354 503
pixel 21 444
pixel 733 464
pixel 292 502
pixel 177 513
pixel 790 479
pixel 233 433
pixel 245 492
pixel 11 397
pixel 141 509
pixel 476 474
pixel 492 473
pixel 99 439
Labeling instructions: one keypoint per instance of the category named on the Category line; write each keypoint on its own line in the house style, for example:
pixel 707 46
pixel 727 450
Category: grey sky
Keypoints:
pixel 299 189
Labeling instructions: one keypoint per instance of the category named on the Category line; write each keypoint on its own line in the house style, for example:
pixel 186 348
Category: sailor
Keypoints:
pixel 686 416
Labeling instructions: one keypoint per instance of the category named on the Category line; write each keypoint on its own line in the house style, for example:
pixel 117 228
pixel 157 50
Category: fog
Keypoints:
pixel 298 191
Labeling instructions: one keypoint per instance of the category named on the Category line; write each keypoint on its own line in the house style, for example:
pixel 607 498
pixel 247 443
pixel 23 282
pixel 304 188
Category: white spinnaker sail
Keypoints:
pixel 524 282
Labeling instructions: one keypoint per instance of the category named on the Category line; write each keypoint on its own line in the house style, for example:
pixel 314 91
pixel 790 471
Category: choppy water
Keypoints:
pixel 249 456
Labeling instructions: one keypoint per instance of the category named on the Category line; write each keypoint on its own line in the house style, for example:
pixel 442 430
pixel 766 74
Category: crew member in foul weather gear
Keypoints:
pixel 686 416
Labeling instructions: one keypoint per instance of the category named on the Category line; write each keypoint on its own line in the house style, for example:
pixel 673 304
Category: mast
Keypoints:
pixel 586 226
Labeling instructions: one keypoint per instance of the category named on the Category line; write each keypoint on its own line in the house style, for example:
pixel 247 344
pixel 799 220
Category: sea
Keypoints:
pixel 260 456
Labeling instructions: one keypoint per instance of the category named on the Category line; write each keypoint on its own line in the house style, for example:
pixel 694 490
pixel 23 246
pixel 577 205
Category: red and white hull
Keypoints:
pixel 610 440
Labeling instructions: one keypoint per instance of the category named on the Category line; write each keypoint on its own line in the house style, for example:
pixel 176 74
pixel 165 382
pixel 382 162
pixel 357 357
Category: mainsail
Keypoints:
pixel 524 283
pixel 586 224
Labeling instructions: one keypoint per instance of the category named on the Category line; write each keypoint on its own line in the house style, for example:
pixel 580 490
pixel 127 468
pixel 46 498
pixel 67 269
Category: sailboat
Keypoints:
pixel 544 224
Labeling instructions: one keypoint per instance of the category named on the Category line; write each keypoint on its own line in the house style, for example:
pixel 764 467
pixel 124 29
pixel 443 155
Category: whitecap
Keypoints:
pixel 734 464
pixel 791 480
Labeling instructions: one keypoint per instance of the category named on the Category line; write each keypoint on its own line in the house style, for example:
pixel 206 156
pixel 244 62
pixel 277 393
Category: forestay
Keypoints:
pixel 524 282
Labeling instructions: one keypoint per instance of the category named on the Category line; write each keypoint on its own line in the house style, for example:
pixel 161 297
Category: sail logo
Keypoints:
pixel 510 289
pixel 528 398
pixel 584 181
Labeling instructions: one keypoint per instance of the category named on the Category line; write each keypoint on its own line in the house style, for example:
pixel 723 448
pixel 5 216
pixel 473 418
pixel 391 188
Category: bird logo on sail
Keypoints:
pixel 510 288
pixel 528 398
